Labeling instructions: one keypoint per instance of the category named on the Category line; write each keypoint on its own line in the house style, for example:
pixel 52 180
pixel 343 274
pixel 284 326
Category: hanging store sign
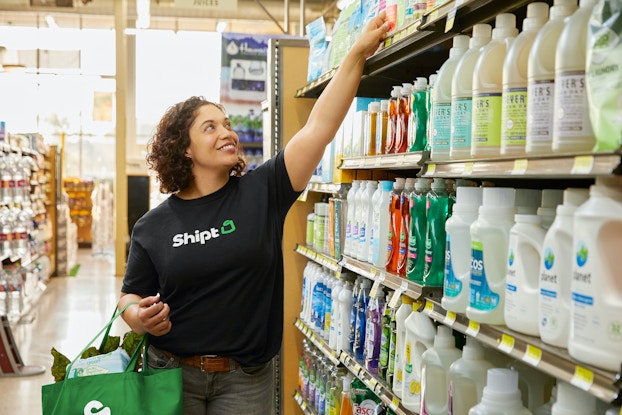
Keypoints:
pixel 208 4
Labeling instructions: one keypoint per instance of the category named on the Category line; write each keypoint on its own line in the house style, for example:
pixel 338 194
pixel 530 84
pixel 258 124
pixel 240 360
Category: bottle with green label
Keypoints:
pixel 416 238
pixel 437 211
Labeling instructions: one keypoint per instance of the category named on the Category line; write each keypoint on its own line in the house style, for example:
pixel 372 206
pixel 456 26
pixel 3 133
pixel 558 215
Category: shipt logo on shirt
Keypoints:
pixel 98 407
pixel 200 237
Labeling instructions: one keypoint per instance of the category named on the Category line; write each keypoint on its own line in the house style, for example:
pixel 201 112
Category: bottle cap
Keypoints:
pixel 501 380
pixel 396 91
pixel 410 183
pixel 528 218
pixel 384 105
pixel 498 196
pixel 460 45
pixel 443 338
pixel 399 183
pixel 572 400
pixel 469 196
pixel 527 200
pixel 562 8
pixel 482 33
pixel 575 196
pixel 433 79
pixel 438 184
pixel 422 184
pixel 387 185
pixel 537 16
pixel 373 106
pixel 505 26
pixel 472 350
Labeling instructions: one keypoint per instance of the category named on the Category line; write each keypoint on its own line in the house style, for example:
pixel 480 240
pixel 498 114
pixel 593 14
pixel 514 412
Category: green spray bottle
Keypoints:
pixel 437 213
pixel 417 235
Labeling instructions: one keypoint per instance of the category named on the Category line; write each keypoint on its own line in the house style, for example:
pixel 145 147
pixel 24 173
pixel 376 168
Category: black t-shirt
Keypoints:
pixel 217 261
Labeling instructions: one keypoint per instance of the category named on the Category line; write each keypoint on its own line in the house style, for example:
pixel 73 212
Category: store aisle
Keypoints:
pixel 67 316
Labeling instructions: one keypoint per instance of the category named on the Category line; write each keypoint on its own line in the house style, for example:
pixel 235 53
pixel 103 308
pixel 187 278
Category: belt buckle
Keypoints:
pixel 205 358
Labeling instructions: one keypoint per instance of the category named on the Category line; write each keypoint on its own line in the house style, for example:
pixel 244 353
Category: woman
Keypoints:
pixel 205 267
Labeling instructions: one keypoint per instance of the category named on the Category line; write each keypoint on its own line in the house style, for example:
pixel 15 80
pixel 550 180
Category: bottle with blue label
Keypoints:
pixel 437 213
pixel 360 330
pixel 556 272
pixel 596 330
pixel 458 249
pixel 522 282
pixel 490 236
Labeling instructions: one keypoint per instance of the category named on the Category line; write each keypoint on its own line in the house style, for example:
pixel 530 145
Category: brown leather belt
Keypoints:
pixel 207 363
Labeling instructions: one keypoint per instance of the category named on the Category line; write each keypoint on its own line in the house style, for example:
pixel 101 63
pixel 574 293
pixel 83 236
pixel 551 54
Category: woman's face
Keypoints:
pixel 213 143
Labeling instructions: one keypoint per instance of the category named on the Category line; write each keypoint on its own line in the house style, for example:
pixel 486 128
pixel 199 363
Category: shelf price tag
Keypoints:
pixel 429 307
pixel 395 403
pixel 397 295
pixel 373 383
pixel 450 318
pixel 582 165
pixel 582 378
pixel 468 168
pixel 358 369
pixel 533 355
pixel 431 169
pixel 520 166
pixel 473 328
pixel 374 288
pixel 506 344
pixel 451 18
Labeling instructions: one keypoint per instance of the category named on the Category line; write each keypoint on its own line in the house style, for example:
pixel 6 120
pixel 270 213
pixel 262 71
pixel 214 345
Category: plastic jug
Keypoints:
pixel 420 332
pixel 501 395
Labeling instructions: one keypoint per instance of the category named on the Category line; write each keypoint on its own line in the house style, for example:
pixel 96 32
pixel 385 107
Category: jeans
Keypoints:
pixel 245 390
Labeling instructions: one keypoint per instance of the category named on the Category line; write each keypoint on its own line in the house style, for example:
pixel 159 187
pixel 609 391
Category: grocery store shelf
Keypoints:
pixel 385 161
pixel 322 259
pixel 318 342
pixel 330 188
pixel 554 361
pixel 585 165
pixel 306 409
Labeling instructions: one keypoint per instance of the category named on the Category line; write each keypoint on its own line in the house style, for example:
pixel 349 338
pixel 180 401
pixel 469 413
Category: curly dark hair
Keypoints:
pixel 167 148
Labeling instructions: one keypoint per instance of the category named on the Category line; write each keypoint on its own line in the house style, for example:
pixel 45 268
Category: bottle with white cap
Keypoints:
pixel 573 401
pixel 371 122
pixel 462 94
pixel 381 221
pixel 501 395
pixel 418 125
pixel 551 198
pixel 596 330
pixel 402 313
pixel 393 120
pixel 381 126
pixel 514 105
pixel 467 378
pixel 351 217
pixel 458 249
pixel 405 108
pixel 366 222
pixel 490 236
pixel 522 282
pixel 441 100
pixel 541 79
pixel 488 88
pixel 572 129
pixel 556 270
pixel 420 332
pixel 415 264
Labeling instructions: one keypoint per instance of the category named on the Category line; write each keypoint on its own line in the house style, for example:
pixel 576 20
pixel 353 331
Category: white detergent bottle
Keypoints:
pixel 541 79
pixel 435 363
pixel 381 225
pixel 596 330
pixel 350 216
pixel 490 236
pixel 359 218
pixel 458 249
pixel 551 198
pixel 367 212
pixel 441 100
pixel 462 94
pixel 556 272
pixel 345 314
pixel 573 401
pixel 501 395
pixel 335 314
pixel 420 332
pixel 572 129
pixel 514 105
pixel 467 378
pixel 522 282
pixel 488 88
pixel 536 387
pixel 404 310
pixel 373 226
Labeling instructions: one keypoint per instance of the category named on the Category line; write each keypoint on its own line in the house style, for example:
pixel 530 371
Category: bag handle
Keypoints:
pixel 105 329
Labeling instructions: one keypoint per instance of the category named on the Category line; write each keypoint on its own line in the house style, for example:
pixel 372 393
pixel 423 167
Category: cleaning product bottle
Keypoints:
pixel 514 104
pixel 420 332
pixel 395 224
pixel 346 402
pixel 406 197
pixel 358 233
pixel 404 102
pixel 595 333
pixel 369 149
pixel 419 116
pixel 373 334
pixel 381 127
pixel 435 363
pixel 551 198
pixel 401 314
pixel 385 340
pixel 367 212
pixel 488 88
pixel 462 94
pixel 381 224
pixel 373 226
pixel 522 282
pixel 556 272
pixel 354 313
pixel 345 314
pixel 573 401
pixel 350 216
pixel 501 395
pixel 392 122
pixel 360 306
pixel 335 311
pixel 441 100
pixel 467 378
pixel 541 79
pixel 436 213
pixel 418 227
pixel 490 235
pixel 572 128
pixel 458 249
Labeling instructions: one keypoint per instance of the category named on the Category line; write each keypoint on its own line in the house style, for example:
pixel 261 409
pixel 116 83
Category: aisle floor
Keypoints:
pixel 70 311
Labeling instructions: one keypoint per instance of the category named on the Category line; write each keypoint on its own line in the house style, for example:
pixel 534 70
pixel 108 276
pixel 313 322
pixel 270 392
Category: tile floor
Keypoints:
pixel 68 314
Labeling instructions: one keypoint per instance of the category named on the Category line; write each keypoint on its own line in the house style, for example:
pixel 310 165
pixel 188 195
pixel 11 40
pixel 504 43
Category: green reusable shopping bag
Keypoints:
pixel 147 392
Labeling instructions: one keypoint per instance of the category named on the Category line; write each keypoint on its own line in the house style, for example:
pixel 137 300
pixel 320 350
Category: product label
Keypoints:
pixel 486 127
pixel 461 117
pixel 441 127
pixel 452 286
pixel 540 95
pixel 481 296
pixel 552 312
pixel 572 118
pixel 512 281
pixel 584 318
pixel 514 117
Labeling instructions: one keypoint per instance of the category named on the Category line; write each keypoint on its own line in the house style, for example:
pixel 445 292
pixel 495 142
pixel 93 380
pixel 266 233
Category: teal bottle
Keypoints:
pixel 415 264
pixel 436 238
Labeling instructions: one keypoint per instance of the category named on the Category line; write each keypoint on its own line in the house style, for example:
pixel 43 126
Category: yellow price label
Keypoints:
pixel 507 343
pixel 303 405
pixel 395 403
pixel 451 18
pixel 411 29
pixel 533 355
pixel 582 165
pixel 473 328
pixel 373 383
pixel 431 169
pixel 520 166
pixel 429 306
pixel 374 289
pixel 303 196
pixel 338 274
pixel 582 378
pixel 387 42
pixel 450 318
pixel 358 369
pixel 468 167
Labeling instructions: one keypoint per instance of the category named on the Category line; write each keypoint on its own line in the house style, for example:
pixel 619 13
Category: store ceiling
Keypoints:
pixel 251 16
